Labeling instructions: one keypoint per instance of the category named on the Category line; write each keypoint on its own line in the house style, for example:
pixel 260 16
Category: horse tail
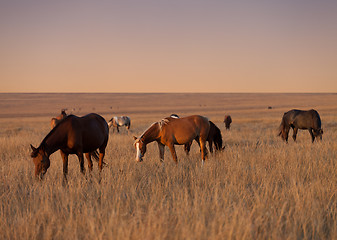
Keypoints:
pixel 129 123
pixel 95 155
pixel 282 126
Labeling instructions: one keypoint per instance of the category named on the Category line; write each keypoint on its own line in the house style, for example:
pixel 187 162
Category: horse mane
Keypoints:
pixel 53 130
pixel 163 122
pixel 152 125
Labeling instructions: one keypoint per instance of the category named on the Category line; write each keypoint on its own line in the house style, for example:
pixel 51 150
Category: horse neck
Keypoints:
pixel 151 134
pixel 53 141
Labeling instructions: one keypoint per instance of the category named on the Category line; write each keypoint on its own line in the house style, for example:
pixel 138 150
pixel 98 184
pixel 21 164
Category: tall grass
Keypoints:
pixel 257 188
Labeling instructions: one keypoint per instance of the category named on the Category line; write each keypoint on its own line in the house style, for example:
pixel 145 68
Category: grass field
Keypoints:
pixel 257 188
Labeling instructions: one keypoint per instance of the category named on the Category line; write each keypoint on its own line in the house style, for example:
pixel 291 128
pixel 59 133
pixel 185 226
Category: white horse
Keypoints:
pixel 117 122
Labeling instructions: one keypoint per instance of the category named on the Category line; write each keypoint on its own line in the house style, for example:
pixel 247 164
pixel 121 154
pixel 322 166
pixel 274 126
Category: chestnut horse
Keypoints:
pixel 59 118
pixel 298 119
pixel 73 135
pixel 214 136
pixel 174 131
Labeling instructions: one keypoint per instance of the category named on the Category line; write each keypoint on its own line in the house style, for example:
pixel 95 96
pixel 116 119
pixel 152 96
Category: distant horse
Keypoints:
pixel 298 119
pixel 227 121
pixel 59 118
pixel 73 135
pixel 214 135
pixel 174 131
pixel 117 122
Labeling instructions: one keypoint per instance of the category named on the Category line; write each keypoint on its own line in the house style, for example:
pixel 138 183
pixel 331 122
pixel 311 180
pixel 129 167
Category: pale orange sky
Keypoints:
pixel 168 46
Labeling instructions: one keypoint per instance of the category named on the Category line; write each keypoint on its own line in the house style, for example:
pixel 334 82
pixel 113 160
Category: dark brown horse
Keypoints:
pixel 227 121
pixel 214 136
pixel 54 121
pixel 298 119
pixel 73 135
pixel 174 131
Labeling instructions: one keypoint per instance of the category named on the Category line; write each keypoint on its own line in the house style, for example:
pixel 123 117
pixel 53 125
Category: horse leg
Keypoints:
pixel 117 129
pixel 88 156
pixel 173 152
pixel 101 157
pixel 286 133
pixel 161 151
pixel 65 164
pixel 187 148
pixel 312 135
pixel 203 149
pixel 295 133
pixel 81 160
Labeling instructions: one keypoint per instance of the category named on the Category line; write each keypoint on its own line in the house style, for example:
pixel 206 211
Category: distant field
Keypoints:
pixel 257 188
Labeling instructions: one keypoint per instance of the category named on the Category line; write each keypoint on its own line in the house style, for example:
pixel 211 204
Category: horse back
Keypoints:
pixel 303 119
pixel 88 132
pixel 185 129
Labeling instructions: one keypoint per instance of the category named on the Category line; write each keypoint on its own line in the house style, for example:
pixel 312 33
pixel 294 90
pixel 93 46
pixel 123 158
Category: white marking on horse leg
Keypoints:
pixel 202 162
pixel 139 155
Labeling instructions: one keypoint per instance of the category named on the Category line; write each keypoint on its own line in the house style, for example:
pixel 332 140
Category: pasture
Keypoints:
pixel 257 188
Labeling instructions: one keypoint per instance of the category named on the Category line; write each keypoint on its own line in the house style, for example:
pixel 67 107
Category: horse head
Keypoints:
pixel 41 161
pixel 318 133
pixel 110 122
pixel 141 149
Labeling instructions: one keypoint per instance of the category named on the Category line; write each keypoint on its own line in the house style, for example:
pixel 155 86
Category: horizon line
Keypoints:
pixel 271 92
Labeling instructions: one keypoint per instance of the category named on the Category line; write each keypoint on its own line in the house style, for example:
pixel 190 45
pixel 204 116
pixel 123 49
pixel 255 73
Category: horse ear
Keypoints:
pixel 135 138
pixel 33 148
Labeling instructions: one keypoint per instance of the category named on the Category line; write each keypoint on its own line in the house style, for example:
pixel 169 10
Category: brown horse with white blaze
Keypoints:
pixel 73 135
pixel 174 131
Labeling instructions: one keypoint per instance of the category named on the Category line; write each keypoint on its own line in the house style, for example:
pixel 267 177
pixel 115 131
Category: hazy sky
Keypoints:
pixel 168 46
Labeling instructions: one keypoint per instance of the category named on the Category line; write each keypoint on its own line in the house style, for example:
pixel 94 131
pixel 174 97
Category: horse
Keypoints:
pixel 117 122
pixel 299 119
pixel 73 135
pixel 214 135
pixel 174 131
pixel 227 121
pixel 59 118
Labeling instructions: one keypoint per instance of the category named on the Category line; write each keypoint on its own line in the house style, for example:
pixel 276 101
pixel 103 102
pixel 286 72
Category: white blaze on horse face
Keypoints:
pixel 139 154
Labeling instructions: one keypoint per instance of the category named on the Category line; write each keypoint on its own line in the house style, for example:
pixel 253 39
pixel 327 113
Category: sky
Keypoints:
pixel 168 46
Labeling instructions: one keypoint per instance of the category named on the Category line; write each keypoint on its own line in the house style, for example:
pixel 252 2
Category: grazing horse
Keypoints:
pixel 227 121
pixel 73 135
pixel 298 119
pixel 117 122
pixel 214 135
pixel 59 118
pixel 174 131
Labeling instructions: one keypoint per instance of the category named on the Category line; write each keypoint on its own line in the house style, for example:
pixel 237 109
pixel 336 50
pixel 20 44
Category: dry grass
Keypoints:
pixel 258 188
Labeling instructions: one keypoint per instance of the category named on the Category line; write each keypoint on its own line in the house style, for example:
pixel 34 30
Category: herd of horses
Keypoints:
pixel 89 135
